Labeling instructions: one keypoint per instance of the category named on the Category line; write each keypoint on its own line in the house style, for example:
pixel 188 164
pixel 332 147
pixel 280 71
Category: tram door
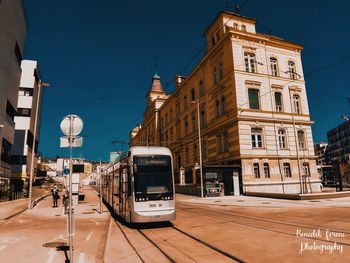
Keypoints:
pixel 123 200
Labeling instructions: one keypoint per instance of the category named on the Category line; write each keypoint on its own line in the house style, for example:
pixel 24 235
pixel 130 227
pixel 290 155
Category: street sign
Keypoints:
pixel 76 142
pixel 72 125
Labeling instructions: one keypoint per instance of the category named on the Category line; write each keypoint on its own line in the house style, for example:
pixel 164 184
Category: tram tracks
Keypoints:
pixel 174 245
pixel 263 224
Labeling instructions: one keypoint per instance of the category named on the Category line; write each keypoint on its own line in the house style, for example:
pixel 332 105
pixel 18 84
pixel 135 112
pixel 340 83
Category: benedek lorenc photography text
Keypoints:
pixel 324 241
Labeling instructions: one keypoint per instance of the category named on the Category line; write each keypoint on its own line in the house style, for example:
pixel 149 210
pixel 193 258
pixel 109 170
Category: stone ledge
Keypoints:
pixel 300 196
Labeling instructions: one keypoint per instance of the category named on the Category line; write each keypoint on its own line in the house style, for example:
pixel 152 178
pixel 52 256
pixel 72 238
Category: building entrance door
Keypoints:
pixel 228 184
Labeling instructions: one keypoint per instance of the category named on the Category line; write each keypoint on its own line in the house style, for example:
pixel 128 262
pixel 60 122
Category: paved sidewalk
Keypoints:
pixel 22 236
pixel 12 208
pixel 263 202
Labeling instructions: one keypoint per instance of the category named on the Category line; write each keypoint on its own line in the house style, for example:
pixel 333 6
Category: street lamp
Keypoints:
pixel 296 140
pixel 200 145
pixel 40 85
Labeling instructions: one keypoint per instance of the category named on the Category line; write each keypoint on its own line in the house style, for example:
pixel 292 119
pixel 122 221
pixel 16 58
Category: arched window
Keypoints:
pixel 286 170
pixel 292 70
pixel 266 170
pixel 256 170
pixel 282 139
pixel 186 126
pixel 249 60
pixel 201 88
pixel 214 75
pixel 203 120
pixel 243 27
pixel 235 26
pixel 223 105
pixel 185 102
pixel 274 67
pixel 187 155
pixel 301 140
pixel 221 71
pixel 296 104
pixel 195 153
pixel 204 149
pixel 194 124
pixel 217 108
pixel 278 101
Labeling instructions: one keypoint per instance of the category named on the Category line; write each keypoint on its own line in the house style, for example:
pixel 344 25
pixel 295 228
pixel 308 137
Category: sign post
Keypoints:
pixel 71 126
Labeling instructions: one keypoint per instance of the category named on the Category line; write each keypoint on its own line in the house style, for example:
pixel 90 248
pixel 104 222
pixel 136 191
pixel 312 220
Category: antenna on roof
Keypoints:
pixel 237 8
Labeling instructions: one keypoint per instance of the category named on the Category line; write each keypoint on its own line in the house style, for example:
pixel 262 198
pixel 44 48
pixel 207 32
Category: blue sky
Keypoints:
pixel 99 56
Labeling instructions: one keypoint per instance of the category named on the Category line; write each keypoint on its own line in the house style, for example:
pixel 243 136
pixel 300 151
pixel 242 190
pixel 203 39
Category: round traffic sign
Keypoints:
pixel 73 122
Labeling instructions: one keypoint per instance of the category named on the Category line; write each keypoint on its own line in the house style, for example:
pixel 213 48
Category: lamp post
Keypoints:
pixel 200 146
pixel 40 85
pixel 296 140
pixel 100 182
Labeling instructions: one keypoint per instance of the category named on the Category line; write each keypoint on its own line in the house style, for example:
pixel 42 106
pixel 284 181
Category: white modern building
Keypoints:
pixel 26 136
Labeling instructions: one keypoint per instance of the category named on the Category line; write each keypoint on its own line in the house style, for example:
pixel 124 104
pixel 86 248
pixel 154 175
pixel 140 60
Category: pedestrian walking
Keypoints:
pixel 55 196
pixel 65 202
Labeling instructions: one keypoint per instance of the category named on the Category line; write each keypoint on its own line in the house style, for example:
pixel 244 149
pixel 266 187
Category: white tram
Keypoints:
pixel 139 185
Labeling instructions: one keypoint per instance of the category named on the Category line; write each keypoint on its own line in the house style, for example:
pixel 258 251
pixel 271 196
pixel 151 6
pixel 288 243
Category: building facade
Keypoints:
pixel 324 164
pixel 339 143
pixel 339 153
pixel 12 36
pixel 22 150
pixel 253 110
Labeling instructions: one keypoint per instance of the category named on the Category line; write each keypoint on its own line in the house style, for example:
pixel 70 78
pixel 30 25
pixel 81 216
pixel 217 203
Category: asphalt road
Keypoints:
pixel 212 230
pixel 290 231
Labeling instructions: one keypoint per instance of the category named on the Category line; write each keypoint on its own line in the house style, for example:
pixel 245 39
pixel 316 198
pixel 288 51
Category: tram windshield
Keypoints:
pixel 153 175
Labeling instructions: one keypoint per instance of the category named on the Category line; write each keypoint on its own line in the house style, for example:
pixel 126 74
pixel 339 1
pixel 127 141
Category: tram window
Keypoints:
pixel 153 175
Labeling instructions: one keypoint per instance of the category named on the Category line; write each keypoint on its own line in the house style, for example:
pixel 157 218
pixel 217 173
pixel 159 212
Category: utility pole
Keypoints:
pixel 100 182
pixel 71 126
pixel 40 85
pixel 70 210
pixel 296 141
pixel 200 147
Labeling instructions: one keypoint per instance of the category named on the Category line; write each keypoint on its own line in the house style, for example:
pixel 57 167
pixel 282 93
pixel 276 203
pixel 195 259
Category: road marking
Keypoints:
pixel 2 247
pixel 97 223
pixel 81 258
pixel 88 237
pixel 52 253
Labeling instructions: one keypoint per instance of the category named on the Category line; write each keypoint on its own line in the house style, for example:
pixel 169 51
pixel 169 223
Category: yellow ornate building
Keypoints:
pixel 253 109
